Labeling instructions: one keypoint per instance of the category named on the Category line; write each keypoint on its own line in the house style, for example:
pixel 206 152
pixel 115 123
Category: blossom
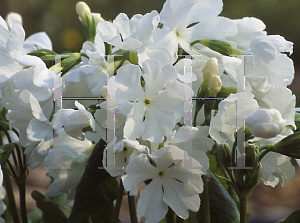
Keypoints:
pixel 117 157
pixel 73 121
pixel 188 20
pixel 171 183
pixel 151 112
pixel 36 132
pixel 265 123
pixel 134 35
pixel 196 137
pixel 74 156
pixel 223 125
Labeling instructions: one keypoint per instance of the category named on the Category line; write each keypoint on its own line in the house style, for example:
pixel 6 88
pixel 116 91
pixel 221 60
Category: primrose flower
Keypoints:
pixel 171 183
pixel 151 111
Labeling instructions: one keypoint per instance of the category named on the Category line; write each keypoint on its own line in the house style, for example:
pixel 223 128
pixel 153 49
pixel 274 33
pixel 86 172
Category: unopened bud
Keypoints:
pixel 215 85
pixel 97 17
pixel 224 153
pixel 83 11
pixel 265 123
pixel 210 69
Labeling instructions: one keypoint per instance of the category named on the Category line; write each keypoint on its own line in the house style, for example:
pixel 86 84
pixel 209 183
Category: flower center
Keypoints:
pixel 161 173
pixel 147 101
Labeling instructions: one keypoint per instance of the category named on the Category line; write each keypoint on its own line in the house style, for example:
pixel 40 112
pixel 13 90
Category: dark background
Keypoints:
pixel 59 20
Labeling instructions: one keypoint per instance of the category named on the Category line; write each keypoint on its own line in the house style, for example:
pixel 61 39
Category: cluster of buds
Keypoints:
pixel 244 174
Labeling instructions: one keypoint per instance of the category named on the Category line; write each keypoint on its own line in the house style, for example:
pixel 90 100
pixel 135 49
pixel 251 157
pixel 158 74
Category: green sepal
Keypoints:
pixel 215 45
pixel 41 52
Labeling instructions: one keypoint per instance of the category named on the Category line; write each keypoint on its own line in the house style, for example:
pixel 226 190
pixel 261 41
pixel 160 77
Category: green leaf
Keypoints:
pixel 5 152
pixel 90 192
pixel 293 218
pixel 222 207
pixel 51 209
pixel 105 213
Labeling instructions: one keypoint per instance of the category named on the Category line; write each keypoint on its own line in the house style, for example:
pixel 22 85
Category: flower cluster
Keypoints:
pixel 165 91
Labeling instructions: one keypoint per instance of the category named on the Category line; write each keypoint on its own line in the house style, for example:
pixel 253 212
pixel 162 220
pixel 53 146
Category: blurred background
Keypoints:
pixel 59 20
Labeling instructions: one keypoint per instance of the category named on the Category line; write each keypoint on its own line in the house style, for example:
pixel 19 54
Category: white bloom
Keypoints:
pixel 277 168
pixel 74 155
pixel 199 142
pixel 134 35
pixel 172 184
pixel 265 123
pixel 282 99
pixel 248 29
pixel 73 121
pixel 224 124
pixel 36 132
pixel 151 113
pixel 188 20
pixel 123 152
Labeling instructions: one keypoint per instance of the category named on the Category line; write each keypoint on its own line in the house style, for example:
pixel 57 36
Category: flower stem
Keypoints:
pixel 118 203
pixel 205 201
pixel 170 216
pixel 10 194
pixel 132 209
pixel 22 192
pixel 243 208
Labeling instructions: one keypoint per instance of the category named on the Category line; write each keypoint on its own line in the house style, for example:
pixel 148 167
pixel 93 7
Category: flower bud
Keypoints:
pixel 225 155
pixel 215 85
pixel 210 69
pixel 84 12
pixel 265 123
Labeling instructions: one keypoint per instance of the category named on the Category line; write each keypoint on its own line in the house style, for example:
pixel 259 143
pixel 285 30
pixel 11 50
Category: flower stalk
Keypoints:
pixel 118 203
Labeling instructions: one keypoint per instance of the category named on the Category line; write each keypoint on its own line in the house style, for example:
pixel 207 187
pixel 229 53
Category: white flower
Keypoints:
pixel 172 184
pixel 224 124
pixel 73 121
pixel 188 20
pixel 74 155
pixel 277 168
pixel 36 132
pixel 265 123
pixel 196 137
pixel 151 113
pixel 116 158
pixel 134 35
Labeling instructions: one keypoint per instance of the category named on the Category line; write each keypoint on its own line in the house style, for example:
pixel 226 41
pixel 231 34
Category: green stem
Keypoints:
pixel 22 192
pixel 205 201
pixel 170 216
pixel 243 208
pixel 10 194
pixel 132 209
pixel 118 203
pixel 263 153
